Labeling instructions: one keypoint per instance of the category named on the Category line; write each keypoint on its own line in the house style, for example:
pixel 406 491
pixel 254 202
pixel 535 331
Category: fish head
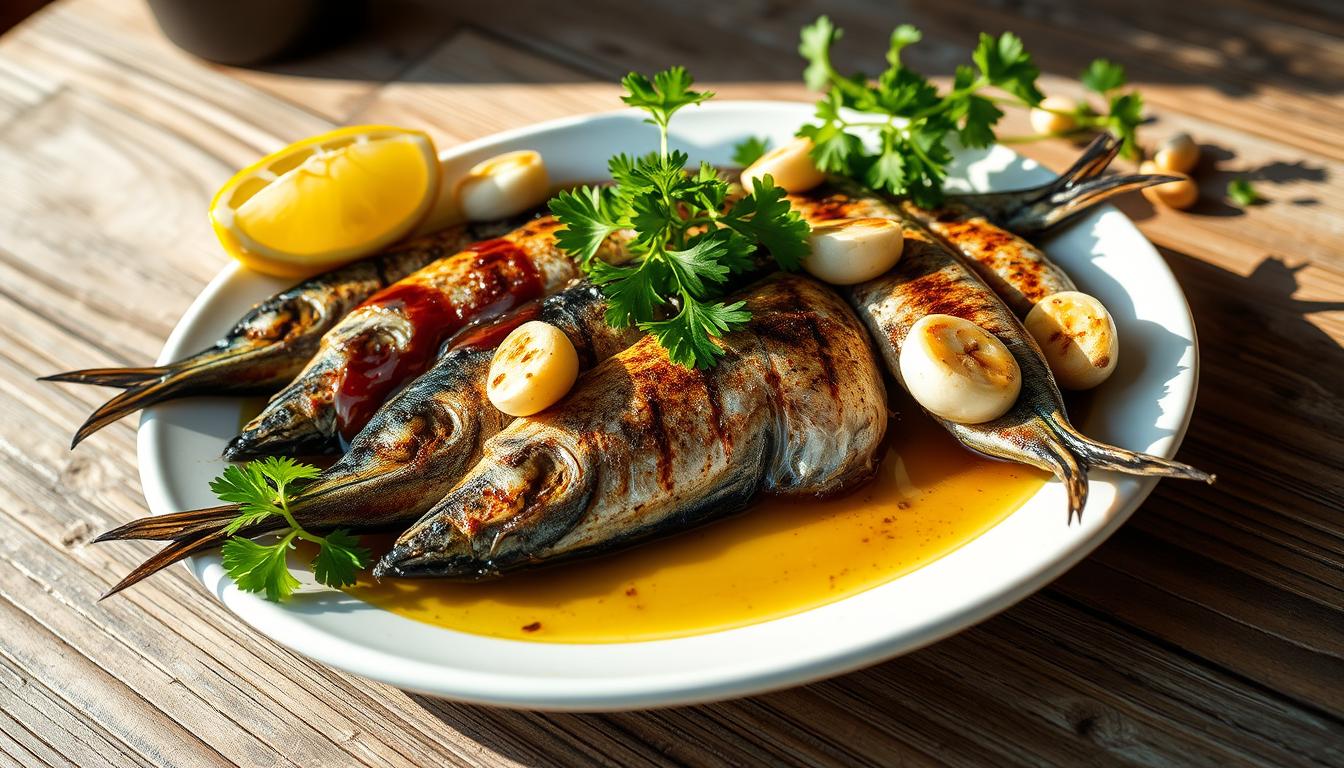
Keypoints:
pixel 502 514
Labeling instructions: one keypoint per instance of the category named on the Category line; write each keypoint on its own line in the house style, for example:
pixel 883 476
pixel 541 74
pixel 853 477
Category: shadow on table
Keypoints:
pixel 749 42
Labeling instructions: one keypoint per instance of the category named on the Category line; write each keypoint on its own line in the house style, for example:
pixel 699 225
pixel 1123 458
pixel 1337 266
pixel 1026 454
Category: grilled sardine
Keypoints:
pixel 930 278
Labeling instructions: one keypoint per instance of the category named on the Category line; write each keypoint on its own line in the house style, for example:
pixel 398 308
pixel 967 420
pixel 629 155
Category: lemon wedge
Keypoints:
pixel 327 200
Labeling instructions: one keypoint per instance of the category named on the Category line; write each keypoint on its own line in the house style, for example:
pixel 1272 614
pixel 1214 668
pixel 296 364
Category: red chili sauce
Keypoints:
pixel 504 278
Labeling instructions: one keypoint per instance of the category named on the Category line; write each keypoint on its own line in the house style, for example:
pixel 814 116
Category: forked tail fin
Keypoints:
pixel 125 378
pixel 143 387
pixel 1102 456
pixel 1033 211
pixel 174 526
pixel 1066 468
pixel 165 557
pixel 1066 203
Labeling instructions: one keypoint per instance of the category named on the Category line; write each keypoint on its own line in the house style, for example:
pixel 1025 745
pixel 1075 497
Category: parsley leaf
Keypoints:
pixel 590 216
pixel 815 46
pixel 1103 76
pixel 749 150
pixel 339 559
pixel 1004 62
pixel 689 335
pixel 257 568
pixel 765 217
pixel 1125 115
pixel 669 91
pixel 685 245
pixel 263 489
pixel 1242 193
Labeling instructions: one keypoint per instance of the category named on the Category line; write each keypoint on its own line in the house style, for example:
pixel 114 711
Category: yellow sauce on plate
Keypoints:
pixel 780 557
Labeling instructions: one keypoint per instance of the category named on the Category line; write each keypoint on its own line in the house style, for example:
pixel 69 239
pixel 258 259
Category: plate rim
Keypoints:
pixel 647 690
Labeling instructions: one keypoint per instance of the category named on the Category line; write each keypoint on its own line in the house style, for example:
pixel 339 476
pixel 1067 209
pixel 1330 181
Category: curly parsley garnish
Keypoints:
pixel 688 238
pixel 912 119
pixel 262 489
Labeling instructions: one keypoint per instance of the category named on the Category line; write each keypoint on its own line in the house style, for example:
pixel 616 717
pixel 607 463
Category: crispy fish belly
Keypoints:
pixel 932 279
pixel 396 334
pixel 644 448
pixel 413 451
pixel 269 345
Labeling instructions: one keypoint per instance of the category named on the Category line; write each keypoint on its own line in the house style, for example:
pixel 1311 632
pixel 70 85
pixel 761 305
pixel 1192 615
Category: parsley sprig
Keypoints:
pixel 263 489
pixel 689 238
pixel 913 119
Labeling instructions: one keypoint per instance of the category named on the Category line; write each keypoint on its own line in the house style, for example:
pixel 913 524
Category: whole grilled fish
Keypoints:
pixel 396 334
pixel 930 278
pixel 271 343
pixel 643 447
pixel 413 451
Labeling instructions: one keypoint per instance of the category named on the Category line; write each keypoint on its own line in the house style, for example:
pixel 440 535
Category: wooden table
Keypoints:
pixel 1210 630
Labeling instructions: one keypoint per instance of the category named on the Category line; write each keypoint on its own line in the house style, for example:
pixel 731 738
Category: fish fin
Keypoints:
pixel 1033 211
pixel 1103 456
pixel 143 387
pixel 166 557
pixel 173 526
pixel 1096 157
pixel 133 399
pixel 124 378
pixel 1066 468
pixel 1068 202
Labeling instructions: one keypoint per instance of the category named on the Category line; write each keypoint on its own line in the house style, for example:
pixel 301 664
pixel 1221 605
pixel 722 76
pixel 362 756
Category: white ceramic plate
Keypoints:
pixel 1146 405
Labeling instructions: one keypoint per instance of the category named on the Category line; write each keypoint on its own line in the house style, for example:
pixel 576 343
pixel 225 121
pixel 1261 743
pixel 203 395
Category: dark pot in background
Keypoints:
pixel 255 31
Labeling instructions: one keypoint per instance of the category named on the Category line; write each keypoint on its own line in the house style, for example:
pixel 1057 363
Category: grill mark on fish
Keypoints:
pixel 662 447
pixel 1020 273
pixel 824 355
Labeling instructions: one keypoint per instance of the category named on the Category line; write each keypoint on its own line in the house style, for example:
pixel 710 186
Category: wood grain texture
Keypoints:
pixel 1209 631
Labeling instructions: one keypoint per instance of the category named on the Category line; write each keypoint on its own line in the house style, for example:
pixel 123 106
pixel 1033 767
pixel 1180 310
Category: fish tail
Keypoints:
pixel 1061 462
pixel 1096 157
pixel 143 387
pixel 174 526
pixel 1034 211
pixel 1102 456
pixel 124 378
pixel 1074 199
pixel 165 557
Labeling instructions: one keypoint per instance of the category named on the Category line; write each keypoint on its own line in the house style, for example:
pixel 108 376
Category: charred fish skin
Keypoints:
pixel 644 447
pixel 415 449
pixel 269 344
pixel 929 279
pixel 395 334
pixel 1019 272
